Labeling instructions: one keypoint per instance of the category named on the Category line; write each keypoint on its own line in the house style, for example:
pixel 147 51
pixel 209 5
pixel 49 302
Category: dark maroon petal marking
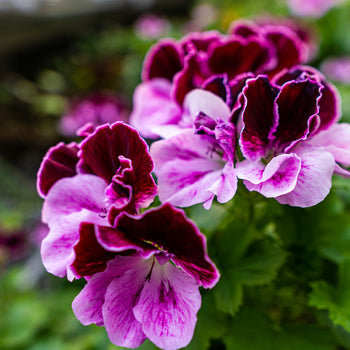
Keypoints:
pixel 163 60
pixel 90 256
pixel 244 28
pixel 329 102
pixel 259 117
pixel 192 76
pixel 297 104
pixel 169 230
pixel 288 47
pixel 123 242
pixel 237 56
pixel 59 162
pixel 218 85
pixel 101 150
pixel 199 41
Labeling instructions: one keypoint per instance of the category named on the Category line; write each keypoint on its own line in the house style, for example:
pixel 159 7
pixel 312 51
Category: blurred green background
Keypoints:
pixel 50 53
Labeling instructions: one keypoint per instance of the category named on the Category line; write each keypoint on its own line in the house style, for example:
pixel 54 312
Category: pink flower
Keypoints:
pixel 151 26
pixel 337 69
pixel 108 173
pixel 86 113
pixel 284 124
pixel 312 8
pixel 156 261
pixel 209 61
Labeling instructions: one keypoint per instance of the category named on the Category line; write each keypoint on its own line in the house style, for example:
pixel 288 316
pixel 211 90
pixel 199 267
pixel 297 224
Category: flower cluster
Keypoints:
pixel 240 107
pixel 142 270
pixel 226 107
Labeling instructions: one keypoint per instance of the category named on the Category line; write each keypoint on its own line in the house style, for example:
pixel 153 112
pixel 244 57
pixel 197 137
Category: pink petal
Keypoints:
pixel 278 177
pixel 122 295
pixel 314 180
pixel 186 166
pixel 336 140
pixel 213 106
pixel 168 306
pixel 153 107
pixel 87 306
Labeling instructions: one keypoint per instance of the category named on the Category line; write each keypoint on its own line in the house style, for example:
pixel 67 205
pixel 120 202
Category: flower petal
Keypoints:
pixel 87 306
pixel 169 230
pixel 336 140
pixel 186 166
pixel 154 107
pixel 122 295
pixel 278 177
pixel 163 60
pixel 168 306
pixel 59 162
pixel 259 117
pixel 314 180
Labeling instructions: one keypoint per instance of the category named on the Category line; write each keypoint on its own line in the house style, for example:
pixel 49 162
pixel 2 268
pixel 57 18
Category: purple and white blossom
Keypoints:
pixel 156 262
pixel 107 173
pixel 172 68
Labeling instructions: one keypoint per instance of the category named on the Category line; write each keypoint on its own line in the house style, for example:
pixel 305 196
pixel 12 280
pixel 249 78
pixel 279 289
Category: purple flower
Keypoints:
pixel 108 173
pixel 151 26
pixel 284 123
pixel 208 61
pixel 312 8
pixel 337 69
pixel 86 113
pixel 196 164
pixel 156 261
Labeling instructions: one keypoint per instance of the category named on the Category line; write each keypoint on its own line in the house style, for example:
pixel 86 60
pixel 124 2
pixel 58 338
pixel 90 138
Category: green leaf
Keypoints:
pixel 326 297
pixel 251 330
pixel 258 266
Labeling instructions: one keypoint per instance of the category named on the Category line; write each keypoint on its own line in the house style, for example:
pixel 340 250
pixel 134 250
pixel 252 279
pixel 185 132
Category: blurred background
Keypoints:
pixel 59 59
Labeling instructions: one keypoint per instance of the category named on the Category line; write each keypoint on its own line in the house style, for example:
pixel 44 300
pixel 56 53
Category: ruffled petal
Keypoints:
pixel 163 60
pixel 238 55
pixel 297 108
pixel 259 117
pixel 169 230
pixel 314 180
pixel 59 162
pixel 168 306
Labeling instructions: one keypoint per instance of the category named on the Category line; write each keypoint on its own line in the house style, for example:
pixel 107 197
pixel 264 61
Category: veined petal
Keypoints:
pixel 278 177
pixel 168 306
pixel 314 180
pixel 87 306
pixel 121 296
pixel 186 166
pixel 170 231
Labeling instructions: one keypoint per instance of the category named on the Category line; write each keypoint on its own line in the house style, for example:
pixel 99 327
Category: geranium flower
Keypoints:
pixel 279 124
pixel 199 60
pixel 312 8
pixel 86 113
pixel 156 261
pixel 107 173
pixel 196 164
